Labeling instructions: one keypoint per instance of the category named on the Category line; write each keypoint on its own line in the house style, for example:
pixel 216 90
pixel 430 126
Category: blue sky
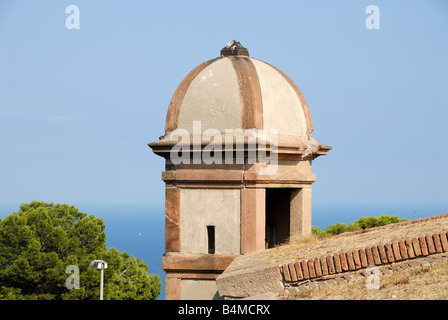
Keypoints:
pixel 77 107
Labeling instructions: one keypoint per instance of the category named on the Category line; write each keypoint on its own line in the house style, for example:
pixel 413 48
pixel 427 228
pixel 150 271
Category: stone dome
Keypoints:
pixel 235 91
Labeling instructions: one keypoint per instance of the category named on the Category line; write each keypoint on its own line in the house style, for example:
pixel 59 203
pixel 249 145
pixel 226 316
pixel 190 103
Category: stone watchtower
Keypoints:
pixel 238 151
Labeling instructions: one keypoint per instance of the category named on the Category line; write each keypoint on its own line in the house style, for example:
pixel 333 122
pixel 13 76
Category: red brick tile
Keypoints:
pixel 382 252
pixel 317 267
pixel 286 274
pixel 389 252
pixel 363 258
pixel 298 269
pixel 292 271
pixel 344 263
pixel 356 259
pixel 437 244
pixel 376 255
pixel 350 261
pixel 337 263
pixel 370 257
pixel 396 250
pixel 311 271
pixel 323 263
pixel 444 241
pixel 430 243
pixel 330 264
pixel 403 249
pixel 416 246
pixel 423 245
pixel 305 272
pixel 410 248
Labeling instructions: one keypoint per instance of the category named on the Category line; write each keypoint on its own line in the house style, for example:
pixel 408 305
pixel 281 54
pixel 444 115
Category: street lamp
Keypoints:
pixel 99 265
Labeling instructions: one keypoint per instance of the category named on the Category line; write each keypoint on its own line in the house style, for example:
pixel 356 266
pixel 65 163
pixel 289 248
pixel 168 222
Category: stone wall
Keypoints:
pixel 202 207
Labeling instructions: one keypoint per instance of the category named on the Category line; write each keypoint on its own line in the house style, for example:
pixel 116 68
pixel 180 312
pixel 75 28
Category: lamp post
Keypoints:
pixel 100 265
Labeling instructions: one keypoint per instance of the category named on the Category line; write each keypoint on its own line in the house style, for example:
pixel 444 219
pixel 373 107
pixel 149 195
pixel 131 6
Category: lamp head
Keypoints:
pixel 98 264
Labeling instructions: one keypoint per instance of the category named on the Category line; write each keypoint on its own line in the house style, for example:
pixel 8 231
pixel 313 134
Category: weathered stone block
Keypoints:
pixel 246 283
pixel 172 219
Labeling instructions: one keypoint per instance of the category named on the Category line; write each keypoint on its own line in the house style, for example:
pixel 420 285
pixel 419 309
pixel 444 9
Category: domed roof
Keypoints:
pixel 235 91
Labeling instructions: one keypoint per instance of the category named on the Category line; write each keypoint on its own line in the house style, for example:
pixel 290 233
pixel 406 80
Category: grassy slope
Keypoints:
pixel 312 246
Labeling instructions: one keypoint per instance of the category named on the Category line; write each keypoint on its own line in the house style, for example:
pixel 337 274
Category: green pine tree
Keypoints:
pixel 41 240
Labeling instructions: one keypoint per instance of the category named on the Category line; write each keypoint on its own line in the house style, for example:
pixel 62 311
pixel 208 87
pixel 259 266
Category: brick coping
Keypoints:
pixel 427 261
pixel 331 266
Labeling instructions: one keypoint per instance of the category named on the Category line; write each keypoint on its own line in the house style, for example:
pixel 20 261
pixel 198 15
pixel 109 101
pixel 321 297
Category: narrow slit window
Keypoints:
pixel 211 239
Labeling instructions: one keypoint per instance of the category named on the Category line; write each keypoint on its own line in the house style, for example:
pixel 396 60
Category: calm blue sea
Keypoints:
pixel 140 229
